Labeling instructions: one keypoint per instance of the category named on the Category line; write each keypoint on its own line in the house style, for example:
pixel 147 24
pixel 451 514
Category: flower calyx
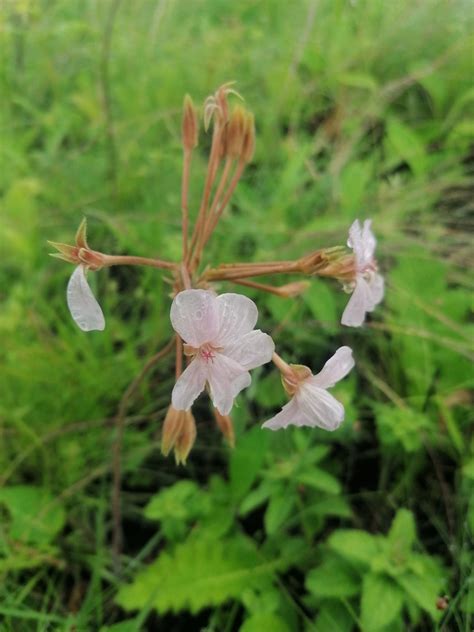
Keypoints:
pixel 80 253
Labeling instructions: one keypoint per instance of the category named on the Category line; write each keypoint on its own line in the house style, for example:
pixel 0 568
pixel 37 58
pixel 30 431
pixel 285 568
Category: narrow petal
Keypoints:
pixel 290 414
pixel 354 314
pixel 368 241
pixel 195 317
pixel 237 316
pixel 251 350
pixel 318 407
pixel 335 368
pixel 189 385
pixel 376 291
pixel 354 240
pixel 82 304
pixel 226 379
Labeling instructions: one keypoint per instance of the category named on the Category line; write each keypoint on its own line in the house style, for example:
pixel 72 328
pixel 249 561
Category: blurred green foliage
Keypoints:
pixel 363 109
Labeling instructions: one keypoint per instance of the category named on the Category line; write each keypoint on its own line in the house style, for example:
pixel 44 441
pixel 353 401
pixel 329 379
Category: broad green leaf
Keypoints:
pixel 199 573
pixel 333 578
pixel 35 516
pixel 321 480
pixel 173 501
pixel 332 617
pixel 278 510
pixel 246 460
pixel 402 535
pixel 381 604
pixel 264 621
pixel 407 145
pixel 424 589
pixel 355 545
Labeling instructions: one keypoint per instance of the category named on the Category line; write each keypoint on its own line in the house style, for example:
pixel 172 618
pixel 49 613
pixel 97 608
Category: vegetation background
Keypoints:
pixel 363 109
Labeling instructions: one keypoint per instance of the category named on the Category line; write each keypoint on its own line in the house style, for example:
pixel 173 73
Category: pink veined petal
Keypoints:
pixel 189 385
pixel 195 317
pixel 376 291
pixel 226 378
pixel 237 316
pixel 251 350
pixel 82 304
pixel 290 414
pixel 354 314
pixel 318 407
pixel 335 369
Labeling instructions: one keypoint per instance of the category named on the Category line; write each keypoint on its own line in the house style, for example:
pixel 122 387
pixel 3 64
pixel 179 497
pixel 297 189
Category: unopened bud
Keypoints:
pixel 179 432
pixel 226 426
pixel 190 124
pixel 248 147
pixel 235 133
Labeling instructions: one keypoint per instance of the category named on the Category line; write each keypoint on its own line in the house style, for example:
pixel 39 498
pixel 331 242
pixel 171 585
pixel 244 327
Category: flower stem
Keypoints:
pixel 184 199
pixel 125 260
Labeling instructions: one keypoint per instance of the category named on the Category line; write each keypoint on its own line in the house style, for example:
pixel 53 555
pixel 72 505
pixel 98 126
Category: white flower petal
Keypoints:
pixel 335 368
pixel 251 350
pixel 376 291
pixel 195 317
pixel 226 378
pixel 82 304
pixel 290 414
pixel 362 241
pixel 368 240
pixel 237 316
pixel 354 314
pixel 318 407
pixel 189 385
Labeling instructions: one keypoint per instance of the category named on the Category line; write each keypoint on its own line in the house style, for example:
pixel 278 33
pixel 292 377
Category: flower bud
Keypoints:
pixel 248 147
pixel 235 132
pixel 226 426
pixel 179 432
pixel 190 124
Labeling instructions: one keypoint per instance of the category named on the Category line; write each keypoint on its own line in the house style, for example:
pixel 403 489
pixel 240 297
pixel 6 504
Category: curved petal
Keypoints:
pixel 194 316
pixel 226 378
pixel 362 241
pixel 354 314
pixel 376 291
pixel 82 304
pixel 290 414
pixel 189 385
pixel 319 408
pixel 237 316
pixel 335 369
pixel 251 350
pixel 368 241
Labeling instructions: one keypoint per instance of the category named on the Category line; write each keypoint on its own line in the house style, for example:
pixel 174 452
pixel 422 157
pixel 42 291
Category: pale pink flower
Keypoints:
pixel 219 335
pixel 311 404
pixel 82 304
pixel 368 285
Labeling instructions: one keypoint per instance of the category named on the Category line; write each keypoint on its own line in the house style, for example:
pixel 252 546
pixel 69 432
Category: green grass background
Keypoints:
pixel 363 109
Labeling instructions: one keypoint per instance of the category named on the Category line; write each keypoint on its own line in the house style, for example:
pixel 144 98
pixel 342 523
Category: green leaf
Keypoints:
pixel 319 297
pixel 278 510
pixel 402 535
pixel 333 578
pixel 246 460
pixel 424 588
pixel 381 603
pixel 255 498
pixel 199 573
pixel 35 516
pixel 173 501
pixel 320 480
pixel 355 545
pixel 406 145
pixel 333 617
pixel 264 621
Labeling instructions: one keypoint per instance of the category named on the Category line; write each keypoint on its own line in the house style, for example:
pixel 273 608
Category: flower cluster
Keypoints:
pixel 215 334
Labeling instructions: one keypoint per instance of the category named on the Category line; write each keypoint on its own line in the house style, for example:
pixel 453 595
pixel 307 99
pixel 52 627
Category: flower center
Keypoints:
pixel 206 351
